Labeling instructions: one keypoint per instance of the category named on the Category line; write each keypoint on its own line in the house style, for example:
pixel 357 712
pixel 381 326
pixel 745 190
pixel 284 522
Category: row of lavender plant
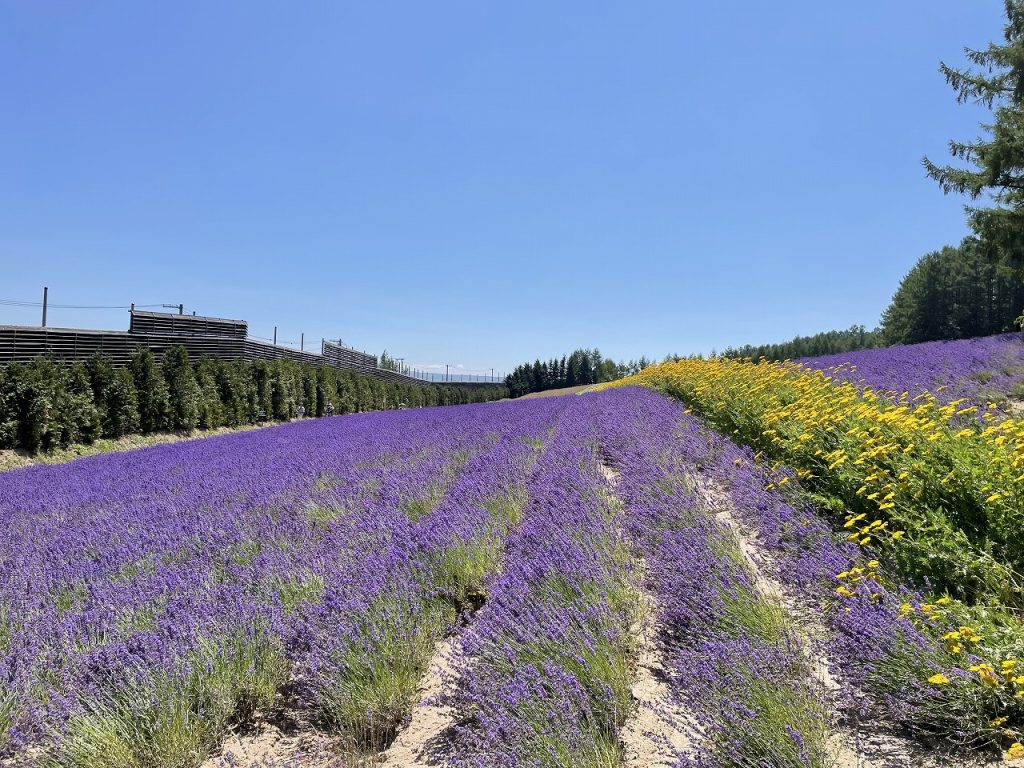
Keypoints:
pixel 548 670
pixel 362 649
pixel 150 597
pixel 976 370
pixel 902 659
pixel 734 661
pixel 895 648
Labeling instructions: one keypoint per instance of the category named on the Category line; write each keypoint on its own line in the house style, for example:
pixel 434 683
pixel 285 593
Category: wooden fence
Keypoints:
pixel 22 344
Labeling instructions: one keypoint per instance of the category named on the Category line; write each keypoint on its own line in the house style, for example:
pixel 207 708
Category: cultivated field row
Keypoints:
pixel 597 581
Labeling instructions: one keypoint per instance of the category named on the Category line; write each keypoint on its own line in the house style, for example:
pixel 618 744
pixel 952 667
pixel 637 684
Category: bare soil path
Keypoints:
pixel 858 744
pixel 426 740
pixel 656 732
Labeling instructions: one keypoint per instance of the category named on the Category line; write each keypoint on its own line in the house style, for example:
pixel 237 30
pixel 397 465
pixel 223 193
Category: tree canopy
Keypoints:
pixel 993 164
pixel 825 343
pixel 583 366
pixel 955 293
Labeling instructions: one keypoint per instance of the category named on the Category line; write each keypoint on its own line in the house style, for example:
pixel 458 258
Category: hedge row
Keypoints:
pixel 46 404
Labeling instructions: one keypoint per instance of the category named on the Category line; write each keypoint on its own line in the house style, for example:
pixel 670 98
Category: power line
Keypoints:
pixel 15 303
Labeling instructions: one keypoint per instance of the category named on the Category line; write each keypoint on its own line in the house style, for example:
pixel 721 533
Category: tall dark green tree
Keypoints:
pixel 955 293
pixel 153 400
pixel 182 390
pixel 992 166
pixel 120 405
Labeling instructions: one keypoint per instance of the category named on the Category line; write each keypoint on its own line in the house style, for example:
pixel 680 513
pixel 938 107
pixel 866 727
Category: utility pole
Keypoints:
pixel 302 342
pixel 275 335
pixel 446 371
pixel 45 292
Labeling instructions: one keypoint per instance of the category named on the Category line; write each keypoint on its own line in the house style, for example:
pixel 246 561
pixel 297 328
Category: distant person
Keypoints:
pixel 330 409
pixel 300 411
pixel 261 416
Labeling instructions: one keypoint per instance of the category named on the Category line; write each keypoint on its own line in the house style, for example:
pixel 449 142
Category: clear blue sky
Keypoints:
pixel 480 183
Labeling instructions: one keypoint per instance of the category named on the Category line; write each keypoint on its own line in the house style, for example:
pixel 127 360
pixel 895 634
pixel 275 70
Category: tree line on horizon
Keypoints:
pixel 48 404
pixel 582 366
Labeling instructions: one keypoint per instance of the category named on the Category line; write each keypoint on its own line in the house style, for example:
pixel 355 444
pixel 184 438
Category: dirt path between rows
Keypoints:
pixel 655 733
pixel 426 740
pixel 268 746
pixel 858 744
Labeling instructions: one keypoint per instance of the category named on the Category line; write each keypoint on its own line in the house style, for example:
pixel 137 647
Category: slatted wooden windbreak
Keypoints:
pixel 22 344
pixel 164 322
pixel 201 336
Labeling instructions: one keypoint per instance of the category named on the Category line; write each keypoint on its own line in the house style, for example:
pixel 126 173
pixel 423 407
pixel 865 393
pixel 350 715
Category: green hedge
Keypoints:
pixel 47 404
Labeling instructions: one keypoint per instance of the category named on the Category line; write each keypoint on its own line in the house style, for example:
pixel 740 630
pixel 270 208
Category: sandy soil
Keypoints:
pixel 269 747
pixel 425 741
pixel 656 731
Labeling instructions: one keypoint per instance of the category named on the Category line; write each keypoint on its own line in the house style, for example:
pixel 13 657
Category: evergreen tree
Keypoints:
pixel 154 406
pixel 993 165
pixel 952 294
pixel 212 412
pixel 80 417
pixel 120 405
pixel 182 390
pixel 8 412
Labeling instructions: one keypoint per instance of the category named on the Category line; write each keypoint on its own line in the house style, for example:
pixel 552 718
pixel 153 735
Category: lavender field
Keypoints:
pixel 601 579
pixel 978 370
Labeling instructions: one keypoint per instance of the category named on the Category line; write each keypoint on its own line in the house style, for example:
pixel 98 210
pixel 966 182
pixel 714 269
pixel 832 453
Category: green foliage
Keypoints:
pixel 171 723
pixel 183 391
pixel 212 412
pixel 584 366
pixel 151 388
pixel 46 406
pixel 372 682
pixel 994 163
pixel 954 293
pixel 120 405
pixel 827 343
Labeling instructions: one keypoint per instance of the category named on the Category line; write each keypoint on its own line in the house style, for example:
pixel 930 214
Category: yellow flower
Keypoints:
pixel 1015 752
pixel 998 721
pixel 944 601
pixel 898 534
pixel 939 679
pixel 844 592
